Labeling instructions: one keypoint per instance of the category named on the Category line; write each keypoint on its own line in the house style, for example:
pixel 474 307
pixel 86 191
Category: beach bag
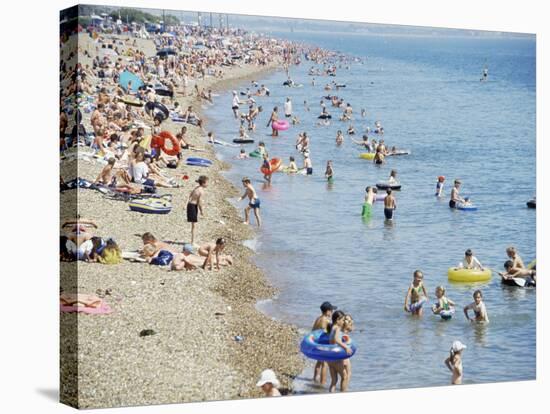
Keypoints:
pixel 163 258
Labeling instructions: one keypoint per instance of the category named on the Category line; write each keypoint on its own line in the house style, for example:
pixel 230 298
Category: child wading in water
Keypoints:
pixel 389 205
pixel 454 362
pixel 322 322
pixel 443 306
pixel 439 186
pixel 338 368
pixel 254 202
pixel 417 294
pixel 478 307
pixel 266 166
pixel 329 172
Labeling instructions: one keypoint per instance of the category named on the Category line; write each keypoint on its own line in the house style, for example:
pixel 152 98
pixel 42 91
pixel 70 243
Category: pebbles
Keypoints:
pixel 122 358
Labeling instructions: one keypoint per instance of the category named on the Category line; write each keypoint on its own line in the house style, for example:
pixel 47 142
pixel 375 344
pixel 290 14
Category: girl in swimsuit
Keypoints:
pixel 337 368
pixel 443 303
pixel 417 294
pixel 478 307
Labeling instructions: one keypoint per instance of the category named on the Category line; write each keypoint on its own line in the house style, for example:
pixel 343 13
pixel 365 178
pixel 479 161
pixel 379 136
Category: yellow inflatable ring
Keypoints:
pixel 456 274
pixel 367 155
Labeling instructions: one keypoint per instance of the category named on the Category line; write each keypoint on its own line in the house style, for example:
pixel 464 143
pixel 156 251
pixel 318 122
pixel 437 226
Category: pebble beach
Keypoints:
pixel 208 341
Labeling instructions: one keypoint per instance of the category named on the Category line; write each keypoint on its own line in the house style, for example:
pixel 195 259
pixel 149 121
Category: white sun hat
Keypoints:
pixel 458 346
pixel 268 376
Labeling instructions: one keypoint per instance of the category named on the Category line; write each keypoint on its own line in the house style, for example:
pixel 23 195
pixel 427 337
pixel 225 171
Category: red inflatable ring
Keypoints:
pixel 159 141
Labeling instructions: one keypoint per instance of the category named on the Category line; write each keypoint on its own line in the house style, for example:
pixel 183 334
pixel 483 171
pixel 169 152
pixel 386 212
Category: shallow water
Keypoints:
pixel 315 246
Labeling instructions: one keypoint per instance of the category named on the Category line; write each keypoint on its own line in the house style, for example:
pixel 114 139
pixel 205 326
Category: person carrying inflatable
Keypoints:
pixel 444 306
pixel 322 322
pixel 417 294
pixel 337 368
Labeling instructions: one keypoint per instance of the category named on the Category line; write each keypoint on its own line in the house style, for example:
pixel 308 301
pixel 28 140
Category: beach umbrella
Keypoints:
pixel 166 52
pixel 126 77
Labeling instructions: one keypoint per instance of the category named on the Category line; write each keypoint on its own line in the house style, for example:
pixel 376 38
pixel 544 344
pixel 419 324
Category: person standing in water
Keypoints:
pixel 194 204
pixel 288 108
pixel 478 307
pixel 417 294
pixel 389 205
pixel 253 202
pixel 485 74
pixel 454 362
pixel 455 196
pixel 369 200
pixel 329 172
pixel 439 186
pixel 273 118
pixel 235 104
pixel 322 322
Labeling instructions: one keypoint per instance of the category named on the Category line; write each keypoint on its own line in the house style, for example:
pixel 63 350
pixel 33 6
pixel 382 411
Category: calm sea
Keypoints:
pixel 315 246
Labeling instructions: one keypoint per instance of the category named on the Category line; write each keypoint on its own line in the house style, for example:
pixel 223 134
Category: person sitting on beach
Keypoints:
pixel 454 362
pixel 111 253
pixel 273 118
pixel 269 383
pixel 339 137
pixel 443 303
pixel 470 261
pixel 439 186
pixel 511 272
pixel 105 177
pixel 190 117
pixel 253 202
pixel 79 237
pixel 455 196
pixel 513 255
pixel 322 322
pixel 212 252
pixel 337 368
pixel 186 259
pixel 390 205
pixel 478 307
pixel 417 294
pixel 149 239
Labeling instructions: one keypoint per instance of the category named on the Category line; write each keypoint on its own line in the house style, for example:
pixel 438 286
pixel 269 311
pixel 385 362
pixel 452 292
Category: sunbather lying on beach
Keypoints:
pixel 186 259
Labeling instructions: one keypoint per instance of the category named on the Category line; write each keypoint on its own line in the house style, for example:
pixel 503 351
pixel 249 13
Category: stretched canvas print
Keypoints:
pixel 261 206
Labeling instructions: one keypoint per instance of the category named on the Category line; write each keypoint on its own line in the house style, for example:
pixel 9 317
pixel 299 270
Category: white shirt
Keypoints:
pixel 140 172
pixel 288 108
pixel 236 101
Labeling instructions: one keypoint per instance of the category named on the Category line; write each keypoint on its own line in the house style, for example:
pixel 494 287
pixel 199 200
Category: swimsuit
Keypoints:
pixel 192 213
pixel 255 204
pixel 388 212
pixel 309 171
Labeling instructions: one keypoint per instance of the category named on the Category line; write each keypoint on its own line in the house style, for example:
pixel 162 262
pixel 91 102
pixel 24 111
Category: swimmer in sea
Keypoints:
pixel 454 362
pixel 470 261
pixel 253 202
pixel 417 295
pixel 478 307
pixel 439 186
pixel 511 272
pixel 339 137
pixel 351 130
pixel 455 196
pixel 329 172
pixel 322 322
pixel 292 167
pixel 242 155
pixel 378 158
pixel 389 205
pixel 443 303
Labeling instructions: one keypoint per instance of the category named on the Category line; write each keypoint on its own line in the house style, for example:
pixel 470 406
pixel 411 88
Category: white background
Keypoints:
pixel 29 168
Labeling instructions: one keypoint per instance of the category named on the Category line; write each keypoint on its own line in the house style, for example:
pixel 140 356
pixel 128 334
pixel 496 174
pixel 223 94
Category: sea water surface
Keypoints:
pixel 314 245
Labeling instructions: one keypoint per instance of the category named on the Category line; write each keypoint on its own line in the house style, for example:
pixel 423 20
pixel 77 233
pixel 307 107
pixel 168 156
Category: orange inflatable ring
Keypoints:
pixel 159 141
pixel 275 164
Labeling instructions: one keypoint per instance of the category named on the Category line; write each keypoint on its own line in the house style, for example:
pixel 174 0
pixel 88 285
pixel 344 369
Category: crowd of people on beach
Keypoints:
pixel 121 122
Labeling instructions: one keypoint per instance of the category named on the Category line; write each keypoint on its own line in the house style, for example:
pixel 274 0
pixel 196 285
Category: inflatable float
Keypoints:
pixel 315 345
pixel 367 155
pixel 151 205
pixel 255 154
pixel 243 141
pixel 447 314
pixel 198 162
pixel 398 152
pixel 275 164
pixel 465 207
pixel 159 142
pixel 131 100
pixel 386 186
pixel 532 204
pixel 325 116
pixel 456 274
pixel 281 125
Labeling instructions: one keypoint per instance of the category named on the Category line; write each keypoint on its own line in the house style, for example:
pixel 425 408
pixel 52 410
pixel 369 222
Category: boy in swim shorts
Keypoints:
pixel 417 294
pixel 253 204
pixel 389 205
pixel 194 204
pixel 322 322
pixel 369 200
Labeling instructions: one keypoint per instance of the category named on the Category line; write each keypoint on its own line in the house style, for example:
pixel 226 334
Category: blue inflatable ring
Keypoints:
pixel 315 345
